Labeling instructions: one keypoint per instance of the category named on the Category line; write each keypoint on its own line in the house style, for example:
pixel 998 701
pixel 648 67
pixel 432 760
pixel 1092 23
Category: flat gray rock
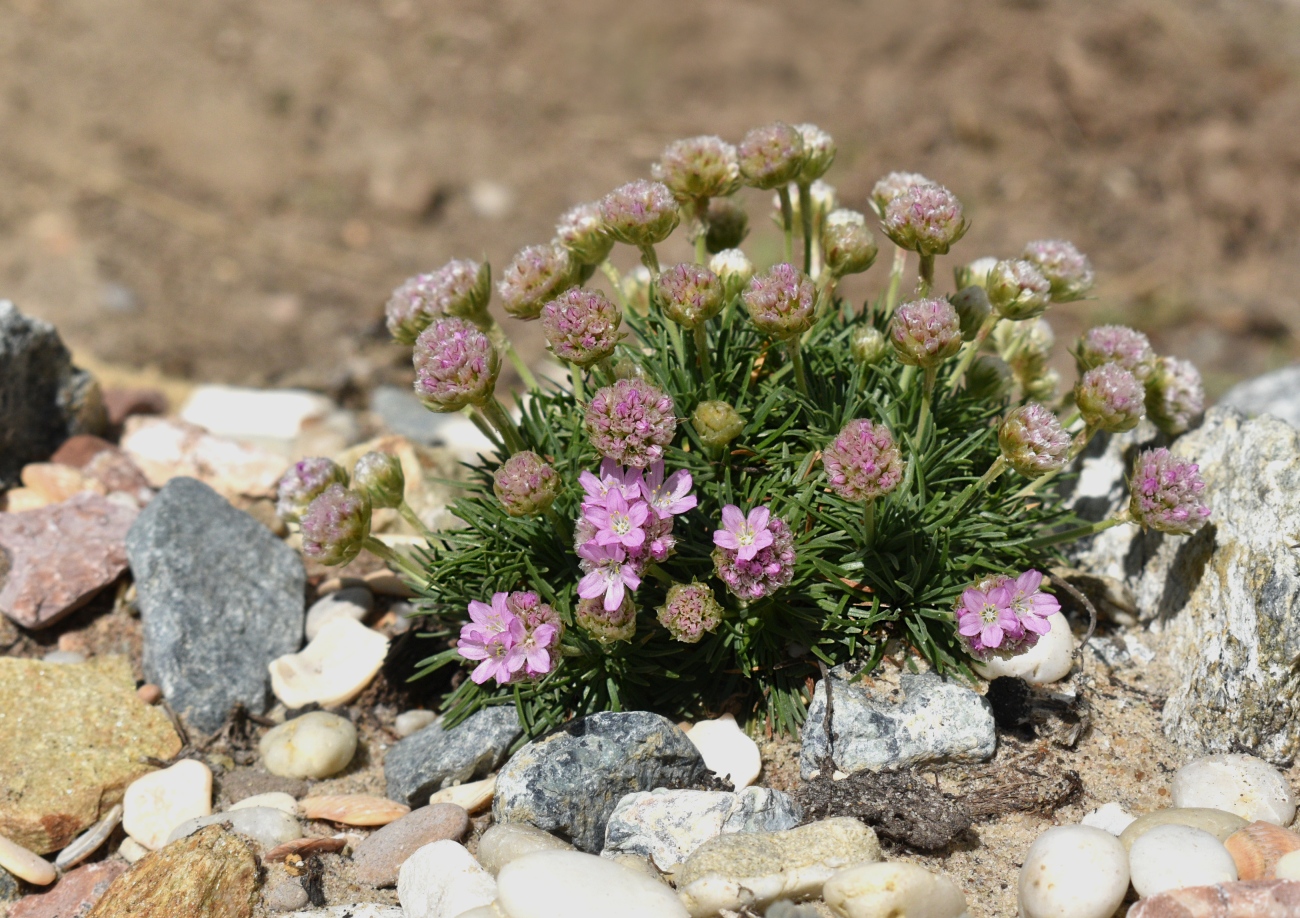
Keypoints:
pixel 433 758
pixel 1276 393
pixel 220 598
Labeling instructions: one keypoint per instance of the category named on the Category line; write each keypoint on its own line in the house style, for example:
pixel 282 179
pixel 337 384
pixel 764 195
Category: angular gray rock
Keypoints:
pixel 1276 393
pixel 220 598
pixel 433 758
pixel 569 783
pixel 44 399
pixel 926 719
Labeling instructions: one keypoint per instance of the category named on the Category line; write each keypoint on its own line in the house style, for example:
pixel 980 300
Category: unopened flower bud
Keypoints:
pixel 989 379
pixel 734 269
pixel 631 422
pixel 850 248
pixel 726 225
pixel 627 368
pixel 1110 398
pixel 892 186
pixel 303 483
pixel 974 274
pixel 1044 386
pixel 868 345
pixel 455 365
pixel 926 219
pixel 525 484
pixel 863 462
pixel 925 333
pixel 1116 344
pixel 335 526
pixel 1065 267
pixel 818 151
pixel 581 326
pixel 771 156
pixel 1033 441
pixel 689 294
pixel 698 167
pixel 459 288
pixel 380 476
pixel 1175 395
pixel 1165 493
pixel 781 302
pixel 640 213
pixel 1018 290
pixel 606 627
pixel 973 307
pixel 636 285
pixel 582 232
pixel 690 611
pixel 538 274
pixel 716 423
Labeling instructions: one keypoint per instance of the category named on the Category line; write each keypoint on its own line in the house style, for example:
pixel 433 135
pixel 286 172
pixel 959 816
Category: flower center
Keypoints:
pixel 989 614
pixel 745 535
pixel 621 523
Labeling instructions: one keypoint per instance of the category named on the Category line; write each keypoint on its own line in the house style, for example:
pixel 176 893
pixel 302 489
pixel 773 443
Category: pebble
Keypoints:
pixel 1171 857
pixel 386 583
pixel 354 603
pixel 131 850
pixel 570 884
pixel 353 809
pixel 1257 849
pixel 1111 818
pixel 159 802
pixel 333 669
pixel 1050 660
pixel 442 880
pixel 266 826
pixel 276 800
pixel 287 895
pixel 377 860
pixel 90 841
pixel 165 449
pixel 315 745
pixel 1218 823
pixel 727 751
pixel 1288 867
pixel 56 483
pixel 74 895
pixel 63 656
pixel 506 842
pixel 1073 872
pixel 892 890
pixel 409 722
pixel 269 418
pixel 149 693
pixel 1268 899
pixel 1241 784
pixel 24 864
pixel 471 797
pixel 306 847
pixel 434 758
pixel 9 890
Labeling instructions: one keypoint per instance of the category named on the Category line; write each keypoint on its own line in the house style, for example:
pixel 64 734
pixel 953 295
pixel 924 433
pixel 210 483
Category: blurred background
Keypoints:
pixel 225 190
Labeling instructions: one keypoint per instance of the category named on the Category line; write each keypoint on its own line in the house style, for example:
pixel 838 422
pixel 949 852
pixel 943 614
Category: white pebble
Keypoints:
pixel 266 826
pixel 1171 857
pixel 333 669
pixel 442 880
pixel 726 750
pixel 409 722
pixel 64 656
pixel 1111 818
pixel 472 797
pixel 504 842
pixel 892 889
pixel 1050 660
pixel 1288 866
pixel 276 800
pixel 1241 784
pixel 315 745
pixel 1073 872
pixel 350 602
pixel 24 864
pixel 570 884
pixel 160 801
pixel 131 850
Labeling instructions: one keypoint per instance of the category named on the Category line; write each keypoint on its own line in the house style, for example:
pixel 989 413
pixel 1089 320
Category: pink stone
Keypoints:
pixel 74 896
pixel 1248 899
pixel 165 449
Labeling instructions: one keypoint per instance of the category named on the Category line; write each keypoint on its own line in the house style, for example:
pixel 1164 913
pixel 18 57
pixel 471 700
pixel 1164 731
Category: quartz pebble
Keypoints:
pixel 442 880
pixel 353 809
pixel 1288 867
pixel 1049 660
pixel 351 602
pixel 409 722
pixel 276 800
pixel 63 656
pixel 24 864
pixel 472 797
pixel 315 745
pixel 333 669
pixel 1073 872
pixel 892 890
pixel 287 895
pixel 727 751
pixel 1172 856
pixel 1241 784
pixel 159 802
pixel 131 850
pixel 267 826
pixel 1258 847
pixel 1217 822
pixel 570 884
pixel 377 860
pixel 1111 818
pixel 506 841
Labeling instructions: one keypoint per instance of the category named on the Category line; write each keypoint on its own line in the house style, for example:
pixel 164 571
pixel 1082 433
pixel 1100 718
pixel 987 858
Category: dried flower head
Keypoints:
pixel 863 462
pixel 1065 267
pixel 868 345
pixel 690 294
pixel 335 526
pixel 380 476
pixel 1175 395
pixel 892 186
pixel 1033 441
pixel 303 483
pixel 850 247
pixel 698 167
pixel 733 268
pixel 781 302
pixel 716 423
pixel 1110 398
pixel 581 231
pixel 925 333
pixel 1116 344
pixel 631 422
pixel 604 626
pixel 1018 290
pixel 455 365
pixel 690 611
pixel 581 326
pixel 926 219
pixel 771 156
pixel 818 151
pixel 1165 493
pixel 538 274
pixel 755 554
pixel 726 224
pixel 525 484
pixel 640 213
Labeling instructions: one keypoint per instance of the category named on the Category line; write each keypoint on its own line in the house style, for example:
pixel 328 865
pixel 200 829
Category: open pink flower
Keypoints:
pixel 1030 604
pixel 608 573
pixel 741 534
pixel 534 649
pixel 619 522
pixel 667 498
pixel 985 618
pixel 487 621
pixel 612 477
pixel 499 652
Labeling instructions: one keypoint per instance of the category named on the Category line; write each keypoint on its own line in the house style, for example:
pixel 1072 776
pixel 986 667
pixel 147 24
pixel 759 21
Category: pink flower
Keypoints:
pixel 608 573
pixel 985 618
pixel 619 522
pixel 612 477
pixel 741 534
pixel 1032 606
pixel 489 620
pixel 534 649
pixel 494 639
pixel 770 569
pixel 667 498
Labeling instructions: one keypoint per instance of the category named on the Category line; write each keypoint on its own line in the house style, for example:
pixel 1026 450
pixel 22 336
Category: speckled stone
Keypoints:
pixel 432 758
pixel 379 857
pixel 893 890
pixel 289 894
pixel 1250 899
pixel 1073 872
pixel 74 895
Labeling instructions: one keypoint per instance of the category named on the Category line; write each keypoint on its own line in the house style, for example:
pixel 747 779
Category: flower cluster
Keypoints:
pixel 863 462
pixel 631 422
pixel 1005 615
pixel 755 554
pixel 512 639
pixel 1165 493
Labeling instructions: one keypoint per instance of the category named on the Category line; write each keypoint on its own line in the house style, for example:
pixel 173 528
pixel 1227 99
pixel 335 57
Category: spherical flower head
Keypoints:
pixel 689 612
pixel 335 525
pixel 989 379
pixel 640 213
pixel 538 274
pixel 726 225
pixel 411 308
pixel 631 422
pixel 1175 395
pixel 850 248
pixel 974 274
pixel 455 365
pixel 771 156
pixel 1066 268
pixel 973 307
pixel 716 423
pixel 926 219
pixel 698 167
pixel 581 326
pixel 768 570
pixel 925 333
pixel 380 476
pixel 734 269
pixel 1165 493
pixel 525 484
pixel 892 186
pixel 605 627
pixel 1033 441
pixel 690 294
pixel 581 231
pixel 1110 398
pixel 303 483
pixel 868 345
pixel 1018 290
pixel 463 288
pixel 1116 344
pixel 863 462
pixel 818 151
pixel 781 302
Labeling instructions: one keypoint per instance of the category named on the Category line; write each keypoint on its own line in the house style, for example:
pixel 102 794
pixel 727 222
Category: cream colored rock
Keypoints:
pixel 508 841
pixel 1218 823
pixel 409 722
pixel 333 669
pixel 353 602
pixel 162 800
pixel 1073 872
pixel 1287 867
pixel 442 880
pixel 315 745
pixel 1112 817
pixel 131 850
pixel 276 800
pixel 570 884
pixel 1241 784
pixel 1050 660
pixel 473 796
pixel 1171 857
pixel 892 889
pixel 727 751
pixel 25 864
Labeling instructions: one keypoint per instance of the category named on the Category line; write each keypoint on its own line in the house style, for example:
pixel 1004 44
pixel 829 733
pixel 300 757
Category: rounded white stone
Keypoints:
pixel 1241 784
pixel 1288 866
pixel 1073 872
pixel 727 751
pixel 160 801
pixel 442 880
pixel 24 864
pixel 64 656
pixel 315 745
pixel 1112 818
pixel 276 800
pixel 892 889
pixel 1050 660
pixel 350 602
pixel 266 826
pixel 333 669
pixel 504 842
pixel 409 722
pixel 570 884
pixel 472 797
pixel 1171 857
pixel 131 850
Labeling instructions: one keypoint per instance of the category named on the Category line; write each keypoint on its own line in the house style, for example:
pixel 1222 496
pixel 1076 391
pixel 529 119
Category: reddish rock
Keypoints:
pixel 1248 899
pixel 56 483
pixel 114 469
pixel 74 896
pixel 77 451
pixel 55 559
pixel 122 403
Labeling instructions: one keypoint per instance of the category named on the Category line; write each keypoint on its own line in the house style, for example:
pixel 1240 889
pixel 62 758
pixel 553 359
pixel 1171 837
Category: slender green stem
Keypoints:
pixel 806 218
pixel 1078 532
pixel 926 396
pixel 1075 415
pixel 392 558
pixel 970 349
pixel 818 255
pixel 925 276
pixel 895 280
pixel 702 351
pixel 505 425
pixel 576 383
pixel 607 367
pixel 1077 446
pixel 869 523
pixel 650 258
pixel 409 514
pixel 998 466
pixel 787 221
pixel 615 281
pixel 702 243
pixel 497 334
pixel 796 358
pixel 479 421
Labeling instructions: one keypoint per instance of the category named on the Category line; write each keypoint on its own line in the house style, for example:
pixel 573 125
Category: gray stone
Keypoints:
pixel 403 414
pixel 1276 393
pixel 220 597
pixel 569 783
pixel 44 399
pixel 380 856
pixel 433 758
pixel 264 825
pixel 9 890
pixel 926 719
pixel 286 895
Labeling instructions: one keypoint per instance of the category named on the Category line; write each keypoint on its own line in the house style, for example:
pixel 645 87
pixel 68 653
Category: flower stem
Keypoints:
pixel 702 351
pixel 497 334
pixel 869 523
pixel 1078 532
pixel 702 244
pixel 925 276
pixel 806 218
pixel 505 425
pixel 414 520
pixel 796 358
pixel 650 259
pixel 998 466
pixel 895 280
pixel 392 558
pixel 970 349
pixel 787 221
pixel 927 395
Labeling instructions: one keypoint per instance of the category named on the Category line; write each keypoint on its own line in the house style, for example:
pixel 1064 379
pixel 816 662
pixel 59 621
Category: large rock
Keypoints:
pixel 72 737
pixel 570 782
pixel 433 758
pixel 74 896
pixel 44 399
pixel 1276 393
pixel 220 598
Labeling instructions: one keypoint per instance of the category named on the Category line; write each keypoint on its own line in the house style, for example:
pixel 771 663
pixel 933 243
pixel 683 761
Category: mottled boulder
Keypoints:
pixel 1276 393
pixel 1249 899
pixel 433 758
pixel 74 895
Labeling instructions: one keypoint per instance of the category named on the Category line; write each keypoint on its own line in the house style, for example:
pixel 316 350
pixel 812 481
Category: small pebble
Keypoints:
pixel 24 864
pixel 1257 848
pixel 508 841
pixel 287 895
pixel 727 751
pixel 306 847
pixel 1073 872
pixel 131 850
pixel 1288 867
pixel 473 796
pixel 160 801
pixel 315 745
pixel 1217 822
pixel 353 809
pixel 570 884
pixel 409 722
pixel 1241 784
pixel 352 602
pixel 74 895
pixel 892 889
pixel 1172 856
pixel 88 842
pixel 334 584
pixel 1050 660
pixel 442 880
pixel 149 693
pixel 333 669
pixel 377 860
pixel 276 800
pixel 1111 818
pixel 386 583
pixel 266 826
pixel 64 656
